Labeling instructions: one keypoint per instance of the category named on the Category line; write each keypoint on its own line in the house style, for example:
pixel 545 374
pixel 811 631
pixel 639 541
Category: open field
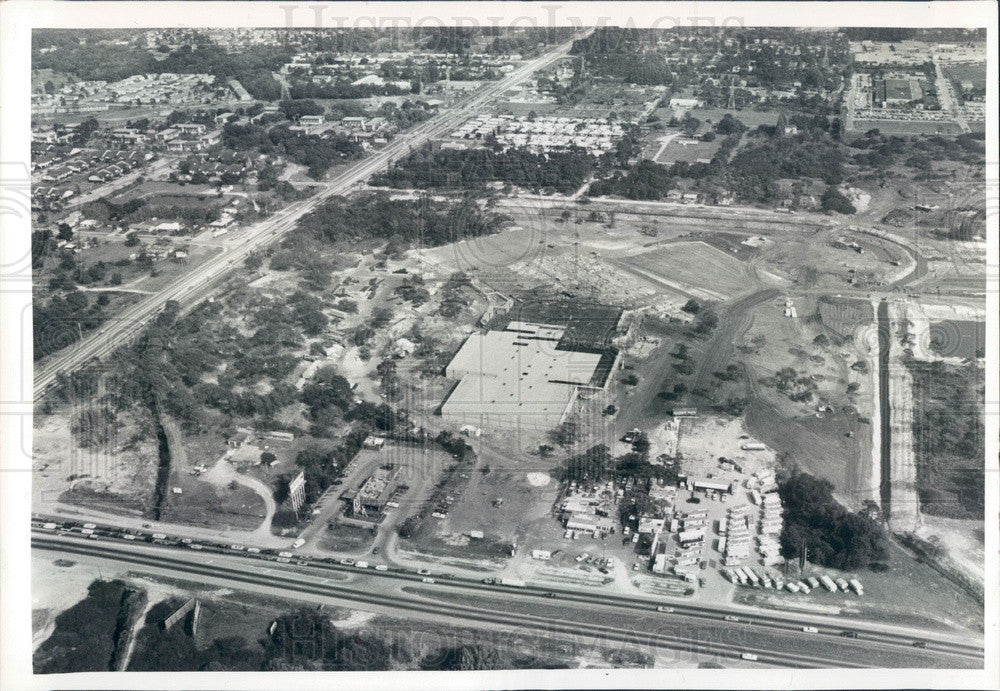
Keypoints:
pixel 953 338
pixel 690 267
pixel 948 438
pixel 676 151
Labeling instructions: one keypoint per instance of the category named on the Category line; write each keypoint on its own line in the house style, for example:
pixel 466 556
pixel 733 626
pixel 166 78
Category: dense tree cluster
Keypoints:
pixel 424 222
pixel 472 169
pixel 833 536
pixel 87 634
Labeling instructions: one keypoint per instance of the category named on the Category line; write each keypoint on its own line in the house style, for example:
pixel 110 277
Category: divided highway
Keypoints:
pixel 133 319
pixel 779 640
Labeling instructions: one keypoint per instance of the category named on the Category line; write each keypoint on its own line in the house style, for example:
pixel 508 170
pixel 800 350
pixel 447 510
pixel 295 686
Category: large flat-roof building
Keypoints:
pixel 520 377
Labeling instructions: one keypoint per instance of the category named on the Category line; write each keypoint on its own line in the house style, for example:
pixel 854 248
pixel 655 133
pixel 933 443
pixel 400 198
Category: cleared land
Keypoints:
pixel 690 267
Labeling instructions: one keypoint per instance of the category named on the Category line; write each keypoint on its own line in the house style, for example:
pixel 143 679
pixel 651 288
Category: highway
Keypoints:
pixel 193 284
pixel 725 632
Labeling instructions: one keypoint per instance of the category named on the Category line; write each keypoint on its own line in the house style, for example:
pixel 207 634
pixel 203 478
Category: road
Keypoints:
pixel 192 285
pixel 775 639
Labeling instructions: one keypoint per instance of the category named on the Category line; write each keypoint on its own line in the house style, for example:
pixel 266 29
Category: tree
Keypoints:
pixel 833 536
pixel 821 340
pixel 691 306
pixel 268 458
pixel 132 240
pixel 64 232
pixel 834 200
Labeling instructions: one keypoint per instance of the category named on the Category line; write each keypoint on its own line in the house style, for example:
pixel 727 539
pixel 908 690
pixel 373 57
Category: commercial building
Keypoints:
pixel 521 377
pixel 375 492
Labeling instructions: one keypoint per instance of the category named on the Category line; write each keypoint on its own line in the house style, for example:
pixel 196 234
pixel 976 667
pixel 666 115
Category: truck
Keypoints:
pixel 803 587
pixel 792 587
pixel 856 585
pixel 754 580
pixel 813 583
pixel 298 543
pixel 842 584
pixel 828 583
pixel 753 446
pixel 513 582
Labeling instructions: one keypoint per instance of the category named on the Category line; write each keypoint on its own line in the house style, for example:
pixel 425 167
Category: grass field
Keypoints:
pixel 948 439
pixel 693 267
pixel 952 338
pixel 689 153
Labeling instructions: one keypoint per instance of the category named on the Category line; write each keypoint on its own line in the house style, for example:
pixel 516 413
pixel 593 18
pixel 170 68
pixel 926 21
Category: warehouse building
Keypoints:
pixel 519 378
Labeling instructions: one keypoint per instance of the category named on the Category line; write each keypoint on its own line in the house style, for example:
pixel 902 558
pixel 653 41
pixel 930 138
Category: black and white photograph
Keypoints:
pixel 499 345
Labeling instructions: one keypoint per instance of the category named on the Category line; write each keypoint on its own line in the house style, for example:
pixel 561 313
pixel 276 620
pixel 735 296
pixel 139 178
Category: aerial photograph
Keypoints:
pixel 491 348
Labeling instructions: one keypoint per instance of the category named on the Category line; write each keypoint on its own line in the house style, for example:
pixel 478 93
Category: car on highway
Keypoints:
pixel 347 562
pixel 550 594
pixel 919 644
pixel 427 580
pixel 128 536
pixel 849 634
pixel 423 572
pixel 731 617
pixel 665 609
pixel 381 567
pixel 749 656
pixel 237 548
pixel 283 560
pixel 810 629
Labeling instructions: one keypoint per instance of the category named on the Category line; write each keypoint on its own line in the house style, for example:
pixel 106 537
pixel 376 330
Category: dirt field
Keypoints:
pixel 116 475
pixel 694 268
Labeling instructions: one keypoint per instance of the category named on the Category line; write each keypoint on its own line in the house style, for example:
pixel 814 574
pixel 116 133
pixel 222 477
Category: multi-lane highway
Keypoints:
pixel 193 284
pixel 794 640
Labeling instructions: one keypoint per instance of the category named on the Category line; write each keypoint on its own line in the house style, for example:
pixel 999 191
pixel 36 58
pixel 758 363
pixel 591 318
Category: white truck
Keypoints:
pixel 513 582
pixel 856 585
pixel 842 584
pixel 828 583
pixel 298 543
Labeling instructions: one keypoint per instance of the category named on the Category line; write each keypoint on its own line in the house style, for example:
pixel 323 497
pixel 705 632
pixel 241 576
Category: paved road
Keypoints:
pixel 777 640
pixel 191 286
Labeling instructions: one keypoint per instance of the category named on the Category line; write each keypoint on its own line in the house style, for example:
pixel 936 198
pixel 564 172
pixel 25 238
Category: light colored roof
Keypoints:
pixel 512 372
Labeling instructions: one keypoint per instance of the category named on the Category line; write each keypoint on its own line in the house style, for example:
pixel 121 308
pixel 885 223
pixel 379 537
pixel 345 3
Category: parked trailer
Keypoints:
pixel 813 583
pixel 513 582
pixel 742 575
pixel 752 576
pixel 856 584
pixel 828 583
